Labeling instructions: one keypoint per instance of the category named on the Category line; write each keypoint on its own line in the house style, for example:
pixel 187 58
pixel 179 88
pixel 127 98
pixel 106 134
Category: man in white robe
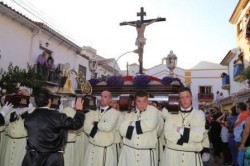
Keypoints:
pixel 184 133
pixel 100 125
pixel 139 132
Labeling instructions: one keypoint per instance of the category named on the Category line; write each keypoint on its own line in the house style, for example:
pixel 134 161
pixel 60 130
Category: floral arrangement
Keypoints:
pixel 94 81
pixel 154 78
pixel 177 81
pixel 115 81
pixel 246 72
pixel 166 80
pixel 171 81
pixel 128 78
pixel 141 80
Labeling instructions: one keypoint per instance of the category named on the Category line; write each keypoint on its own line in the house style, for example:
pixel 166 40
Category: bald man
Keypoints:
pixel 100 125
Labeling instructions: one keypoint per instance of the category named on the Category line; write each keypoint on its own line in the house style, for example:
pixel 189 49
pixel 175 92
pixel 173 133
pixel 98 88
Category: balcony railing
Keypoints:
pixel 225 82
pixel 205 97
pixel 237 72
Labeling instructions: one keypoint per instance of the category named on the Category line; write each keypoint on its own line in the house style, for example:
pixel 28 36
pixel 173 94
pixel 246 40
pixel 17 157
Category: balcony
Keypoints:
pixel 225 82
pixel 205 97
pixel 238 77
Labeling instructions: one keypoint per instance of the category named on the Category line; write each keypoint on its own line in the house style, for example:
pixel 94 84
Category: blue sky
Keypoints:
pixel 196 30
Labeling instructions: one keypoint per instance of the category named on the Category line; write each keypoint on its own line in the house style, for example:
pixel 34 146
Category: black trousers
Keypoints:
pixel 226 152
pixel 35 158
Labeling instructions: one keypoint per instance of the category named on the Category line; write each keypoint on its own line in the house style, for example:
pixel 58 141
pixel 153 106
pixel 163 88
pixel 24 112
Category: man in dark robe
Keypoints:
pixel 47 131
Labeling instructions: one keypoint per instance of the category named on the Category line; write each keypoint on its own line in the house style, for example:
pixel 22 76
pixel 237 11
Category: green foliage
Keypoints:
pixel 246 73
pixel 15 76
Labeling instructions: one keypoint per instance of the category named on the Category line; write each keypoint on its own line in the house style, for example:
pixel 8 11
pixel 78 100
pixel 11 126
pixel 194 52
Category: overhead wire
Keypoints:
pixel 33 11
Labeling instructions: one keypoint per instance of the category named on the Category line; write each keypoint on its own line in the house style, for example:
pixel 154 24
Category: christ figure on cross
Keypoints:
pixel 140 28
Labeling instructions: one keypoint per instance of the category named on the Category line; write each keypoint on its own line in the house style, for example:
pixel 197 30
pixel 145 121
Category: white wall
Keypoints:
pixel 19 45
pixel 15 43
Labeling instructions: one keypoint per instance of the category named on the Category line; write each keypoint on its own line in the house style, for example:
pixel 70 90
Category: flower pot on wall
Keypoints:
pixel 239 78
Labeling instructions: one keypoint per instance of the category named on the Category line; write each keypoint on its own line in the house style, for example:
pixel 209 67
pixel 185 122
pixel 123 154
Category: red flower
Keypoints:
pixel 128 78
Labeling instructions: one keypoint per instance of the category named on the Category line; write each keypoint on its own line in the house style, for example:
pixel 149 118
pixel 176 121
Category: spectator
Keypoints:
pixel 221 95
pixel 227 158
pixel 217 96
pixel 51 69
pixel 238 126
pixel 42 62
pixel 231 119
pixel 215 138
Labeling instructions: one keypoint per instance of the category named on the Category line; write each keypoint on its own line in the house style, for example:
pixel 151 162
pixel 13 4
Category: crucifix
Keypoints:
pixel 140 26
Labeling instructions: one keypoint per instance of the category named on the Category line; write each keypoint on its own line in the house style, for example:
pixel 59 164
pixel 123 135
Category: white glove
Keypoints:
pixel 181 130
pixel 61 108
pixel 6 108
pixel 20 111
pixel 30 106
pixel 205 157
pixel 132 123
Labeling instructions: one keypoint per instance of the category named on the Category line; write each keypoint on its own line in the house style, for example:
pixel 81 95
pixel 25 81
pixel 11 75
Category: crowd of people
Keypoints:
pixel 228 132
pixel 79 133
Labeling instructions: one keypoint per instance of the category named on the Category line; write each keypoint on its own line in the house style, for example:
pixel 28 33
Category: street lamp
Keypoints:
pixel 171 62
pixel 134 51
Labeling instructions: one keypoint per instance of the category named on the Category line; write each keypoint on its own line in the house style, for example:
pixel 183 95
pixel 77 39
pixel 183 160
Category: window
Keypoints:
pixel 82 69
pixel 205 89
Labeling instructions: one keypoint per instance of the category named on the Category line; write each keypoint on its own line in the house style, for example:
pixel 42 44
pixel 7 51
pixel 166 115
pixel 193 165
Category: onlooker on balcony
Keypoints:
pixel 51 68
pixel 239 60
pixel 217 96
pixel 41 62
pixel 221 95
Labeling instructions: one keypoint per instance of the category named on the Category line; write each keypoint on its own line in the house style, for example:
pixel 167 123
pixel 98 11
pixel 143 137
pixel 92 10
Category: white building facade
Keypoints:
pixel 22 40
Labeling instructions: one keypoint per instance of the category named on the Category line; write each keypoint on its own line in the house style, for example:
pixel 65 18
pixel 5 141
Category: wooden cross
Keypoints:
pixel 142 14
pixel 140 30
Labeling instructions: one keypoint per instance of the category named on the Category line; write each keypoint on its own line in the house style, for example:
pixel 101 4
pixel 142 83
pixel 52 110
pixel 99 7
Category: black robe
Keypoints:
pixel 47 135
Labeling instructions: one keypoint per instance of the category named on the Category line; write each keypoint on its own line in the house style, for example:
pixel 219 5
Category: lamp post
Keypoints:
pixel 171 62
pixel 134 51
